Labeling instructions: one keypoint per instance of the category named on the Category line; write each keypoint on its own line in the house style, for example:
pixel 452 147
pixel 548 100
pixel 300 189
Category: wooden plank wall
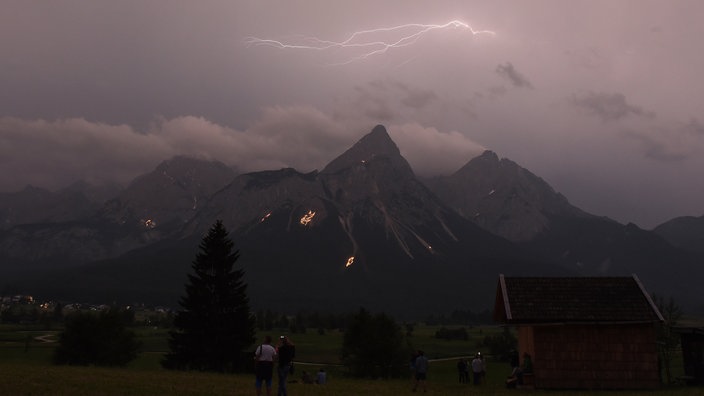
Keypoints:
pixel 595 356
pixel 525 341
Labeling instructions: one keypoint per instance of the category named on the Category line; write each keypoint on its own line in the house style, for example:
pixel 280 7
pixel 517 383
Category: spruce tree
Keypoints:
pixel 214 325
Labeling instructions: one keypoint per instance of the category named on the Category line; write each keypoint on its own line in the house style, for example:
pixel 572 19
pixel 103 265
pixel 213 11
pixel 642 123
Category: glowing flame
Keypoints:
pixel 266 216
pixel 307 217
pixel 149 223
pixel 349 261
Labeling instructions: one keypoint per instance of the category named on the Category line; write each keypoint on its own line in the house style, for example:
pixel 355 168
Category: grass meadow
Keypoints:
pixel 26 369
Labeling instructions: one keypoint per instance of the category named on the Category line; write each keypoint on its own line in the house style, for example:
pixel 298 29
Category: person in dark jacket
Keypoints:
pixel 463 370
pixel 286 353
pixel 421 371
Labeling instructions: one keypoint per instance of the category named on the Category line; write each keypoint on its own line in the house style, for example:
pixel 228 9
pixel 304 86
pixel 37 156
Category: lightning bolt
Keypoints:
pixel 367 40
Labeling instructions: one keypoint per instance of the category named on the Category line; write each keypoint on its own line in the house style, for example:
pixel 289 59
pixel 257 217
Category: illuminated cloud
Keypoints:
pixel 431 152
pixel 301 137
pixel 56 153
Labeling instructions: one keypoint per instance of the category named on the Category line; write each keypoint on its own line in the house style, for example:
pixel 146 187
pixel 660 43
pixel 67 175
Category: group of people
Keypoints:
pixel 478 367
pixel 419 370
pixel 320 378
pixel 265 355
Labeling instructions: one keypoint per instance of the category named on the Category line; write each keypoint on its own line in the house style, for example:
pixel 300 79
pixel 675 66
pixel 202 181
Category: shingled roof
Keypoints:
pixel 573 300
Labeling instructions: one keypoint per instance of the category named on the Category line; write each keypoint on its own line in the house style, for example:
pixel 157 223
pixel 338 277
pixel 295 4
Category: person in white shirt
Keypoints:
pixel 478 369
pixel 264 357
pixel 322 377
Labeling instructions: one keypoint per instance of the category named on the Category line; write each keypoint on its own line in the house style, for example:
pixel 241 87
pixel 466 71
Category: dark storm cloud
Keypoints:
pixel 508 72
pixel 608 106
pixel 406 94
pixel 675 143
pixel 496 90
pixel 372 99
pixel 414 97
pixel 656 148
pixel 694 127
pixel 386 100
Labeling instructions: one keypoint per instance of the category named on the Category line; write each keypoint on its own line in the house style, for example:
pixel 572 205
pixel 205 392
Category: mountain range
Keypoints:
pixel 364 231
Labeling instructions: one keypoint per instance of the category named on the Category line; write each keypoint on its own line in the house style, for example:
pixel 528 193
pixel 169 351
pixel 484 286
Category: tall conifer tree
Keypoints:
pixel 215 324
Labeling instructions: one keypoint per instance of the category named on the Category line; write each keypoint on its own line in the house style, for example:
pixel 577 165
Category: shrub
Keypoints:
pixel 100 339
pixel 374 346
pixel 452 334
pixel 502 344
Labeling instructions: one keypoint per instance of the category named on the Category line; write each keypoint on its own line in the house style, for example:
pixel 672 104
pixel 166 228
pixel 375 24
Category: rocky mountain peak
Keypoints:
pixel 379 140
pixel 488 164
pixel 171 193
pixel 186 169
pixel 504 198
pixel 375 144
pixel 38 205
pixel 487 156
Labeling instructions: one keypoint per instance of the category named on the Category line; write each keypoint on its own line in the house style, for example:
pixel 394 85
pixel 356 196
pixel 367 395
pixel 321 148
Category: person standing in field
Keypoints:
pixel 264 357
pixel 286 353
pixel 462 370
pixel 421 367
pixel 412 366
pixel 321 378
pixel 478 369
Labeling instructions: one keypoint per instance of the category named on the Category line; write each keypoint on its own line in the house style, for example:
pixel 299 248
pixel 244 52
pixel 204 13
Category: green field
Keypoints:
pixel 26 369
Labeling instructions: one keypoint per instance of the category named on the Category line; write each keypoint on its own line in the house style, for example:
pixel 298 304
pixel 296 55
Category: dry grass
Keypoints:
pixel 44 379
pixel 28 371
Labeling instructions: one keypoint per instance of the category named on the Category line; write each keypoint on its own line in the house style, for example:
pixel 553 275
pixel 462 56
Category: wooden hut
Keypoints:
pixel 583 333
pixel 692 340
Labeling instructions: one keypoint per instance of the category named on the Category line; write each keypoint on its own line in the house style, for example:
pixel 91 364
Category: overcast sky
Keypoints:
pixel 602 99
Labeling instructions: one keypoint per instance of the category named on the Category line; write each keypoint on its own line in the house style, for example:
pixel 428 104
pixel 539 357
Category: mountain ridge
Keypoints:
pixel 364 231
